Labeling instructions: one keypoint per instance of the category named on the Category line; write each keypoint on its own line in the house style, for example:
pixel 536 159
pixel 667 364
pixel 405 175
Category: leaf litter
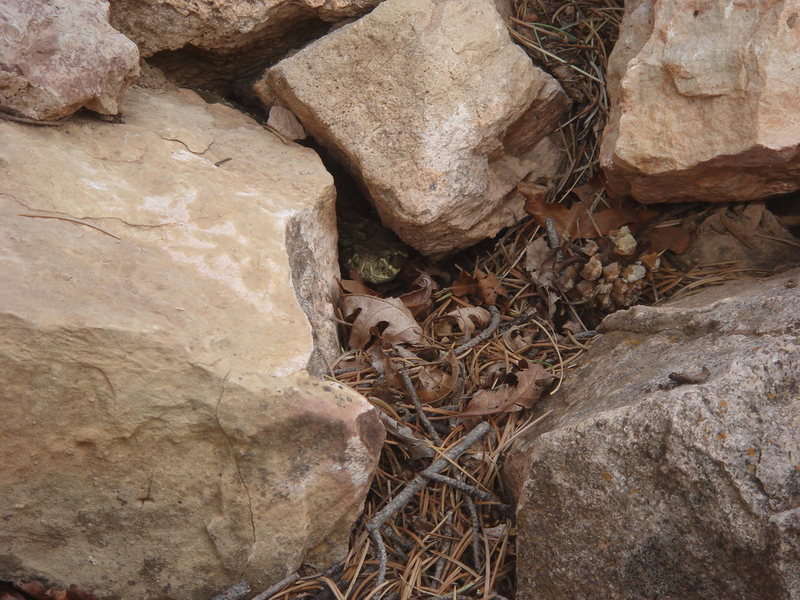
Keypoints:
pixel 456 359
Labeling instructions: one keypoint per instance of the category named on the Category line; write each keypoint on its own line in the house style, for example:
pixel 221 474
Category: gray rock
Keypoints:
pixel 62 55
pixel 632 488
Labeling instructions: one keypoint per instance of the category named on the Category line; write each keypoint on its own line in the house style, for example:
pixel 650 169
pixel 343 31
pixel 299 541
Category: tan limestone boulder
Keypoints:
pixel 161 435
pixel 221 40
pixel 668 465
pixel 704 101
pixel 59 56
pixel 434 109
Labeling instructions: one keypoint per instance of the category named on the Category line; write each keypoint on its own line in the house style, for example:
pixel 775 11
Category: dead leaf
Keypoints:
pixel 437 383
pixel 34 589
pixel 469 318
pixel 76 592
pixel 354 286
pixel 419 299
pixel 387 318
pixel 539 263
pixel 674 238
pixel 580 221
pixel 490 287
pixel 521 389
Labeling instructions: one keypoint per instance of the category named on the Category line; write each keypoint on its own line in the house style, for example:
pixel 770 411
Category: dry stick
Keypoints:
pixel 460 485
pixel 415 485
pixel 235 592
pixel 420 411
pixel 552 238
pixel 476 531
pixel 274 589
pixel 447 531
pixel 483 335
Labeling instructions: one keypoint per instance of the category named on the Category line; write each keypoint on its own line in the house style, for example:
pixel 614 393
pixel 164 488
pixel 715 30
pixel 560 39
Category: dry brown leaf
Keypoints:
pixel 539 262
pixel 34 589
pixel 490 287
pixel 521 389
pixel 469 318
pixel 579 221
pixel 674 238
pixel 76 592
pixel 354 286
pixel 437 383
pixel 387 318
pixel 419 299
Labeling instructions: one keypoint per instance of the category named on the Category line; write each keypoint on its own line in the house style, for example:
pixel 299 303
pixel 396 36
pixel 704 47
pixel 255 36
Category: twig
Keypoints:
pixel 235 592
pixel 483 335
pixel 415 485
pixel 420 411
pixel 274 589
pixel 476 531
pixel 552 238
pixel 460 485
pixel 79 222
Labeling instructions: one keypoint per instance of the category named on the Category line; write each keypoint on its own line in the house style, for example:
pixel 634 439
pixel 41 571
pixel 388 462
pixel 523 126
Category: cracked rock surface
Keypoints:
pixel 436 112
pixel 634 487
pixel 162 436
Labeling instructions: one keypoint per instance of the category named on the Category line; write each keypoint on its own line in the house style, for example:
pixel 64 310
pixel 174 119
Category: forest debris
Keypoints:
pixel 386 318
pixel 521 389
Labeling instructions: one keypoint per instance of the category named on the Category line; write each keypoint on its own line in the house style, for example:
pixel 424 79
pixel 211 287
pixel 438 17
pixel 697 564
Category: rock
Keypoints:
pixel 704 101
pixel 638 487
pixel 433 107
pixel 210 43
pixel 62 55
pixel 161 436
pixel 748 234
pixel 284 122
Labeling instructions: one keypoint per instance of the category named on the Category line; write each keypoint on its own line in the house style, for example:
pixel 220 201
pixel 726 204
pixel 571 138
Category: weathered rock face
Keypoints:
pixel 434 109
pixel 59 56
pixel 633 491
pixel 161 436
pixel 220 40
pixel 704 101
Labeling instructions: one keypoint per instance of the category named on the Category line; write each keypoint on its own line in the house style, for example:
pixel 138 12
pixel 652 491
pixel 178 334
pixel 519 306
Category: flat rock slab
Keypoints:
pixel 636 487
pixel 704 101
pixel 162 437
pixel 434 109
pixel 62 55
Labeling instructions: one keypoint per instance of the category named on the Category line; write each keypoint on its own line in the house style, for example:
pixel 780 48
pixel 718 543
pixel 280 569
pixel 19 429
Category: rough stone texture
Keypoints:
pixel 62 55
pixel 161 437
pixel 632 491
pixel 434 109
pixel 220 40
pixel 704 101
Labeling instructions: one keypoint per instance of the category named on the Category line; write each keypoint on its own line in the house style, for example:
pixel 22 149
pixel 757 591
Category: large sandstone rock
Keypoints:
pixel 434 109
pixel 161 437
pixel 634 490
pixel 704 101
pixel 62 55
pixel 221 40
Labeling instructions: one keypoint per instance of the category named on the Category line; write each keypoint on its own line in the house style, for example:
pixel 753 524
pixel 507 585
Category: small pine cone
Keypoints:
pixel 632 273
pixel 585 289
pixel 566 281
pixel 611 271
pixel 624 242
pixel 592 270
